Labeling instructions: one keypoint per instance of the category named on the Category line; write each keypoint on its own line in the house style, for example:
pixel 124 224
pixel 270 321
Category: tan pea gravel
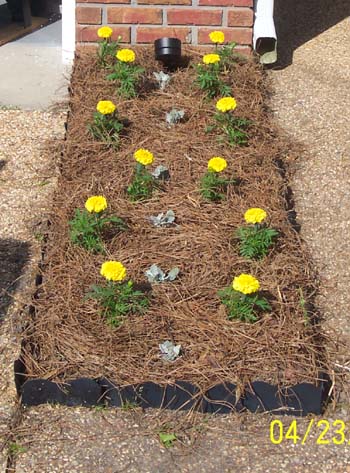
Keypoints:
pixel 311 102
pixel 60 439
pixel 28 176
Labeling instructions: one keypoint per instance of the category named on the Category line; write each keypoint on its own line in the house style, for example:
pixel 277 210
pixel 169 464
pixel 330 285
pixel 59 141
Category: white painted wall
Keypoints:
pixel 68 31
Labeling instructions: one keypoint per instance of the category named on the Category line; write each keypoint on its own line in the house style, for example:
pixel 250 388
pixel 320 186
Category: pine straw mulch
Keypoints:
pixel 67 338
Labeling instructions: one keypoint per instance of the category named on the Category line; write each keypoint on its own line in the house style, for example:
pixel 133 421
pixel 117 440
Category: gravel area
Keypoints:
pixel 28 173
pixel 311 102
pixel 61 439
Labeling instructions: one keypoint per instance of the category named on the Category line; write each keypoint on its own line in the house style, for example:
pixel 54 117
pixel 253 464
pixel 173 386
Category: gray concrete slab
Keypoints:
pixel 32 74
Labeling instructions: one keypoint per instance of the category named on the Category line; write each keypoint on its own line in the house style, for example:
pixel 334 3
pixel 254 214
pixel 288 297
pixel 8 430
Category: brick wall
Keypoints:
pixel 142 21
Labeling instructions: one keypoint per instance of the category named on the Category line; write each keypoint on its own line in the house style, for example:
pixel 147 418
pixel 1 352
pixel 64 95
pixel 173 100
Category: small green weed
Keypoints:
pixel 167 439
pixel 43 183
pixel 15 449
pixel 39 237
pixel 100 408
pixel 129 405
pixel 302 303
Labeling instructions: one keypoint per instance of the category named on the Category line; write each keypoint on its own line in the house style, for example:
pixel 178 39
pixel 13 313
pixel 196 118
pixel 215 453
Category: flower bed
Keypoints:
pixel 68 337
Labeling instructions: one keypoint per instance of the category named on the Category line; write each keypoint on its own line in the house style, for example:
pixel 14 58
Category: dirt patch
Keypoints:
pixel 67 338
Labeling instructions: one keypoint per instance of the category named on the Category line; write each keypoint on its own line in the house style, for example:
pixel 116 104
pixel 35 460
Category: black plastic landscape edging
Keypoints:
pixel 298 400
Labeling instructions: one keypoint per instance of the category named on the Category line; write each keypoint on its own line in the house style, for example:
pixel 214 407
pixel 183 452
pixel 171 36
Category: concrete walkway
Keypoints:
pixel 32 75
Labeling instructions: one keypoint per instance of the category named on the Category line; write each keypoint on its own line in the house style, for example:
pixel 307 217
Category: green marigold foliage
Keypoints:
pixel 256 240
pixel 118 301
pixel 244 307
pixel 86 229
pixel 106 128
pixel 142 185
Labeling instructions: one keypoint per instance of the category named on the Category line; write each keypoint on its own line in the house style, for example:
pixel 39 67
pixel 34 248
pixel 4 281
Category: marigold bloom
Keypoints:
pixel 211 58
pixel 104 32
pixel 96 203
pixel 113 271
pixel 246 284
pixel 255 215
pixel 105 107
pixel 143 156
pixel 125 55
pixel 217 37
pixel 225 104
pixel 217 164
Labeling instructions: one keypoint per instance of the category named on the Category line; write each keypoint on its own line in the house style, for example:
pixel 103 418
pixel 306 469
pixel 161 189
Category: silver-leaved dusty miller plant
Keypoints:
pixel 163 219
pixel 169 351
pixel 154 274
pixel 174 116
pixel 161 172
pixel 162 79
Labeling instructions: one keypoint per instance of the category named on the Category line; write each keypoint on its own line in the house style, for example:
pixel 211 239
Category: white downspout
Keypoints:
pixel 68 31
pixel 264 34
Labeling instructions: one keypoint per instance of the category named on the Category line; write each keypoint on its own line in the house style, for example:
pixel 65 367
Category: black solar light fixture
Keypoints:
pixel 168 51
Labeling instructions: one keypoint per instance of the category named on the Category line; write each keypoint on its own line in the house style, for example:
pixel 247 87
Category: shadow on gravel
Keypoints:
pixel 14 255
pixel 2 164
pixel 299 21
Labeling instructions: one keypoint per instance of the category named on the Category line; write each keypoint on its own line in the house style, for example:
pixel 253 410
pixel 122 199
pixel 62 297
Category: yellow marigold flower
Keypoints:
pixel 104 32
pixel 96 203
pixel 255 215
pixel 113 271
pixel 245 283
pixel 125 55
pixel 217 37
pixel 105 107
pixel 143 156
pixel 211 58
pixel 217 164
pixel 225 104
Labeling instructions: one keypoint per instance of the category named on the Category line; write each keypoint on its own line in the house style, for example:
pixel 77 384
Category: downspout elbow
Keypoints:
pixel 264 32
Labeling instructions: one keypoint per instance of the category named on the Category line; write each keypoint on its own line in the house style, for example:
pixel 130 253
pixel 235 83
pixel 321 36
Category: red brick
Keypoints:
pixel 240 17
pixel 148 16
pixel 245 50
pixel 149 34
pixel 89 34
pixel 194 17
pixel 243 3
pixel 103 1
pixel 165 2
pixel 225 3
pixel 238 35
pixel 89 15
